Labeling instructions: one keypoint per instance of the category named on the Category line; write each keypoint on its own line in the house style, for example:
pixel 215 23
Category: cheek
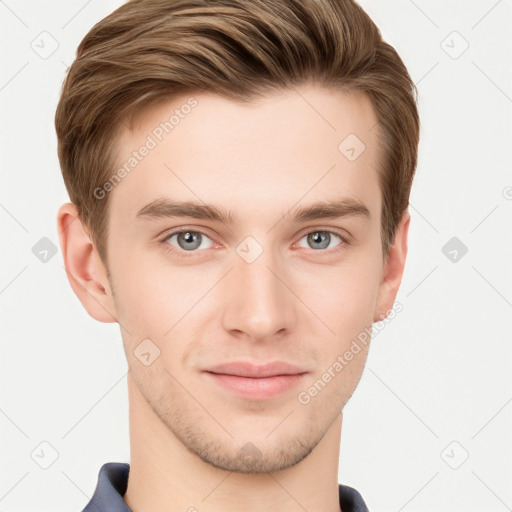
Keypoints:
pixel 160 303
pixel 145 287
pixel 344 298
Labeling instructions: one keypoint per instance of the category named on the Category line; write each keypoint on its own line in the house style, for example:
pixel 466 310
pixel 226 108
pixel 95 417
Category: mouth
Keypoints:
pixel 256 382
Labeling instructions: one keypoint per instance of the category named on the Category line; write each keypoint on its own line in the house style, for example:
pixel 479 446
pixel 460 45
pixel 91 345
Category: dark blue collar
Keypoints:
pixel 113 480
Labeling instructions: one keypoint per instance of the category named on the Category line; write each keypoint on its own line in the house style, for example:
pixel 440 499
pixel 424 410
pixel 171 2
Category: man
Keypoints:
pixel 239 175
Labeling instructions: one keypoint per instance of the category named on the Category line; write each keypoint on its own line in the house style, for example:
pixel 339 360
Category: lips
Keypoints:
pixel 250 370
pixel 256 382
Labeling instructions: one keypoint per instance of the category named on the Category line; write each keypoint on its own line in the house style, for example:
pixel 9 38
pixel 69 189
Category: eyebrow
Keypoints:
pixel 335 208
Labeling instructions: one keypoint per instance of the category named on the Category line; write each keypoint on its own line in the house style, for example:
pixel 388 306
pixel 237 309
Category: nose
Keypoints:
pixel 259 302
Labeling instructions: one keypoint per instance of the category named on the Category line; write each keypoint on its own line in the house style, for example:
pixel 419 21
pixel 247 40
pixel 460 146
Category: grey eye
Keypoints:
pixel 320 239
pixel 189 240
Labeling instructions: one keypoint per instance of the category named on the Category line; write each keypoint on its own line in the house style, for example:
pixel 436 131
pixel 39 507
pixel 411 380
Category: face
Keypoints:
pixel 250 270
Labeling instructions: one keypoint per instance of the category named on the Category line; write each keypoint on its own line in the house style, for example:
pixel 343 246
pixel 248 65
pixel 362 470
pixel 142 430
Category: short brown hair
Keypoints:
pixel 152 50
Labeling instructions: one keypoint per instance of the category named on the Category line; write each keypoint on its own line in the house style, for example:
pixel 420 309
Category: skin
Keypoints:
pixel 296 302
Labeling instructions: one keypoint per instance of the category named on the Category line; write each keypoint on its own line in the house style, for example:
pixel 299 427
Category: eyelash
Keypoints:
pixel 187 254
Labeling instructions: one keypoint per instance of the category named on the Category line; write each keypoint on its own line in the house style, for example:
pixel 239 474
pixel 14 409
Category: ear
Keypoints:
pixel 84 268
pixel 393 269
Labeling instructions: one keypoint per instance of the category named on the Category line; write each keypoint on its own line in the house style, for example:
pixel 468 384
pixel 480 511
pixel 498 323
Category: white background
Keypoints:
pixel 437 386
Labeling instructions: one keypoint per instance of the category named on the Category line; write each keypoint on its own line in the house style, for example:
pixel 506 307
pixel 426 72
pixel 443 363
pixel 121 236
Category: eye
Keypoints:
pixel 188 240
pixel 322 239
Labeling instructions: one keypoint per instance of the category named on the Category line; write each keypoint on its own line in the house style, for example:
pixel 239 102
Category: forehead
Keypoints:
pixel 290 147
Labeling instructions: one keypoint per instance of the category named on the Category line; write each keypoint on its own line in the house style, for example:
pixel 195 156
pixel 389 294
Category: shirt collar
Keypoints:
pixel 113 481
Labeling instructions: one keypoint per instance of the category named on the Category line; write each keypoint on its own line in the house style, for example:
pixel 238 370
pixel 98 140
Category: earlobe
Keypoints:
pixel 85 270
pixel 394 269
